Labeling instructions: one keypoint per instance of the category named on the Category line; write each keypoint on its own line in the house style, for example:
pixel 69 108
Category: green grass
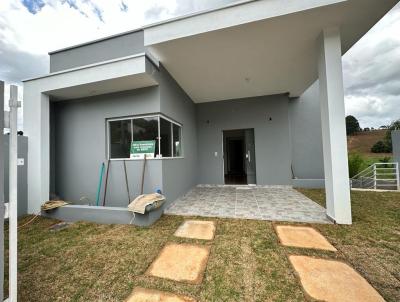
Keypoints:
pixel 90 262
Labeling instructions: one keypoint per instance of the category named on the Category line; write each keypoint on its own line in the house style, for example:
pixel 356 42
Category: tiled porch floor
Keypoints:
pixel 277 203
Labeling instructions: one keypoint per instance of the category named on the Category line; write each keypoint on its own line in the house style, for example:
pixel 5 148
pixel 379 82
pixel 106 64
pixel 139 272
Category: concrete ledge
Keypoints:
pixel 104 215
pixel 309 183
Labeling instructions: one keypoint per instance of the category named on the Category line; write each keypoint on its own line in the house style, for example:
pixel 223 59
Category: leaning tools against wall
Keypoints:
pixel 126 183
pixel 105 186
pixel 100 183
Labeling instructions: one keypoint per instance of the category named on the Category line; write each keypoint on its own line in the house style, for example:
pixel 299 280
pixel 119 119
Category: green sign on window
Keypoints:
pixel 140 148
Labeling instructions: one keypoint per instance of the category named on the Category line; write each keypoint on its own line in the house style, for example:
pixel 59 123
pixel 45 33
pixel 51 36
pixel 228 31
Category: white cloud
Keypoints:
pixel 372 74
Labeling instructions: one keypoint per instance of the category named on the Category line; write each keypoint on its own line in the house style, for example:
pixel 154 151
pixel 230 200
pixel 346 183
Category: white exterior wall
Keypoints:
pixel 334 142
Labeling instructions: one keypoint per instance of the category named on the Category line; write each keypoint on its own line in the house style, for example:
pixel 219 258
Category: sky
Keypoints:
pixel 29 29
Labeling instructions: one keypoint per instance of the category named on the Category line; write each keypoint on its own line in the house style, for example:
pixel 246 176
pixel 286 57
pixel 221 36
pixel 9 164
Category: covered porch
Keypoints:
pixel 273 203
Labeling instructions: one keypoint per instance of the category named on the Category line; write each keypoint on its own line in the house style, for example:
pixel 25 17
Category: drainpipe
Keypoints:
pixel 13 182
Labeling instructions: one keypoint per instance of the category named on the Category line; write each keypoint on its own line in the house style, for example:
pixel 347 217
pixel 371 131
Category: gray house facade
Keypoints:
pixel 250 93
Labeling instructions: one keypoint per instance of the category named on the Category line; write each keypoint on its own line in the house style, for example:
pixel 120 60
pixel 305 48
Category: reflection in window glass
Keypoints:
pixel 176 141
pixel 120 138
pixel 166 137
pixel 166 134
pixel 146 129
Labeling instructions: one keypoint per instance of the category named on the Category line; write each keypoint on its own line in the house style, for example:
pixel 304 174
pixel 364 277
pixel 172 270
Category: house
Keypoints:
pixel 250 93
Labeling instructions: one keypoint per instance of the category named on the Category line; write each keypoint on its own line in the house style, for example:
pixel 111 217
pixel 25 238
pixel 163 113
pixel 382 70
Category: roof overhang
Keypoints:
pixel 120 74
pixel 256 48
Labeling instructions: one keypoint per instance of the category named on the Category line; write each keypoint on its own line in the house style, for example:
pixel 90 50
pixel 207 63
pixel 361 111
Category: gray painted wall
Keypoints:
pixel 78 143
pixel 305 127
pixel 396 145
pixel 287 134
pixel 114 47
pixel 180 174
pixel 80 146
pixel 1 191
pixel 272 137
pixel 22 172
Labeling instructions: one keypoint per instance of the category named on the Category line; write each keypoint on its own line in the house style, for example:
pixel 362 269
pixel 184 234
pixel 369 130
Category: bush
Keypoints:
pixel 380 147
pixel 356 164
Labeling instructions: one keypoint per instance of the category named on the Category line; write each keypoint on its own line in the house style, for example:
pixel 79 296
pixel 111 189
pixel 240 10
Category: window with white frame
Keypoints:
pixel 123 131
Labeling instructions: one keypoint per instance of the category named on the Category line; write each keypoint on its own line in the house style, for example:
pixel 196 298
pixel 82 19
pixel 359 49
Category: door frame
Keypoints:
pixel 223 153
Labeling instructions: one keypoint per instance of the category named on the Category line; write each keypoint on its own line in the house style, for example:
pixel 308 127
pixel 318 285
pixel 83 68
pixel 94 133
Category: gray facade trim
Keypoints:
pixel 87 66
pixel 396 145
pixel 95 40
pixel 309 183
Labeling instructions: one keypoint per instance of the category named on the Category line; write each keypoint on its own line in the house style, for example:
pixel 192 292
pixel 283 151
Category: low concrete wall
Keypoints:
pixel 104 215
pixel 309 183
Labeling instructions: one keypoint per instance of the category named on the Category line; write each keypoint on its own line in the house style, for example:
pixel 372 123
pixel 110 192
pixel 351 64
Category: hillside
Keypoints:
pixel 363 141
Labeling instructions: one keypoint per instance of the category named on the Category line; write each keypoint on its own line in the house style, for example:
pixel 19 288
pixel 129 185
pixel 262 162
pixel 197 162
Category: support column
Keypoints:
pixel 333 124
pixel 36 127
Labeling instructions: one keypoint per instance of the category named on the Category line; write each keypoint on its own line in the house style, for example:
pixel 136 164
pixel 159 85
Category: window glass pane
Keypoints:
pixel 166 138
pixel 177 145
pixel 146 129
pixel 120 138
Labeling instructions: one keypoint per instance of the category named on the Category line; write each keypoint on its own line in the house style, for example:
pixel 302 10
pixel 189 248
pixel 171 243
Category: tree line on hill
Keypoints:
pixel 381 146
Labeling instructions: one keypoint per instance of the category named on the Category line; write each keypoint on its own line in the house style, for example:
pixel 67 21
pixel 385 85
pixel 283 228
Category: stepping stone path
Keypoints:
pixel 304 237
pixel 181 262
pixel 149 295
pixel 328 280
pixel 195 229
pixel 322 279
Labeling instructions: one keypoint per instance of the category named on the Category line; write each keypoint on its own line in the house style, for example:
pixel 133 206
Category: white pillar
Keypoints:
pixel 337 186
pixel 36 127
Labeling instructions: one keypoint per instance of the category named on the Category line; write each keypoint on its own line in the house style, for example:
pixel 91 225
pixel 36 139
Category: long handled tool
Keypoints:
pixel 126 182
pixel 100 182
pixel 144 169
pixel 105 186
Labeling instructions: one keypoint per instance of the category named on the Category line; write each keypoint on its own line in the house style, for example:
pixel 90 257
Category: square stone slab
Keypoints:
pixel 304 237
pixel 181 262
pixel 150 295
pixel 328 280
pixel 196 229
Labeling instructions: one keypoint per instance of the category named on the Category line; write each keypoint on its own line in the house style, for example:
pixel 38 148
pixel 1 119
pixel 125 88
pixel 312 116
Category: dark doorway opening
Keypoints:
pixel 239 157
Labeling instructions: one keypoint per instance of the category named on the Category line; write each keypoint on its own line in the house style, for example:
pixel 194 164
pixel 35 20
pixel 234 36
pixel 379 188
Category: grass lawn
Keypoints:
pixel 90 262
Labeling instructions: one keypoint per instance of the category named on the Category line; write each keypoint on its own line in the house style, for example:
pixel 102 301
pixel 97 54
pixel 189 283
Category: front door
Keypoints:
pixel 239 157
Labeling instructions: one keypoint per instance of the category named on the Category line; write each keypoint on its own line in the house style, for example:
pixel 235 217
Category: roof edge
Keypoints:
pixel 87 66
pixel 142 28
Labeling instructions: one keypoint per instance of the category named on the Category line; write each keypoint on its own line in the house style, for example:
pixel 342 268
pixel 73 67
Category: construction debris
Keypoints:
pixel 53 204
pixel 146 202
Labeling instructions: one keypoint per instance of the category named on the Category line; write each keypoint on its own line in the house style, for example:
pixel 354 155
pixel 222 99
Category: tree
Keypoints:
pixel 352 125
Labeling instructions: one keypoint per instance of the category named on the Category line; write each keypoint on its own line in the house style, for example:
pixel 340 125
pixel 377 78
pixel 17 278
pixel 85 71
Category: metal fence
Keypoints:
pixel 379 176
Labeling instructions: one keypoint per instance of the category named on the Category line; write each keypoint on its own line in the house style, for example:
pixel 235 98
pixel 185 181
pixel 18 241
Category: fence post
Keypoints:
pixel 397 176
pixel 374 177
pixel 13 181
